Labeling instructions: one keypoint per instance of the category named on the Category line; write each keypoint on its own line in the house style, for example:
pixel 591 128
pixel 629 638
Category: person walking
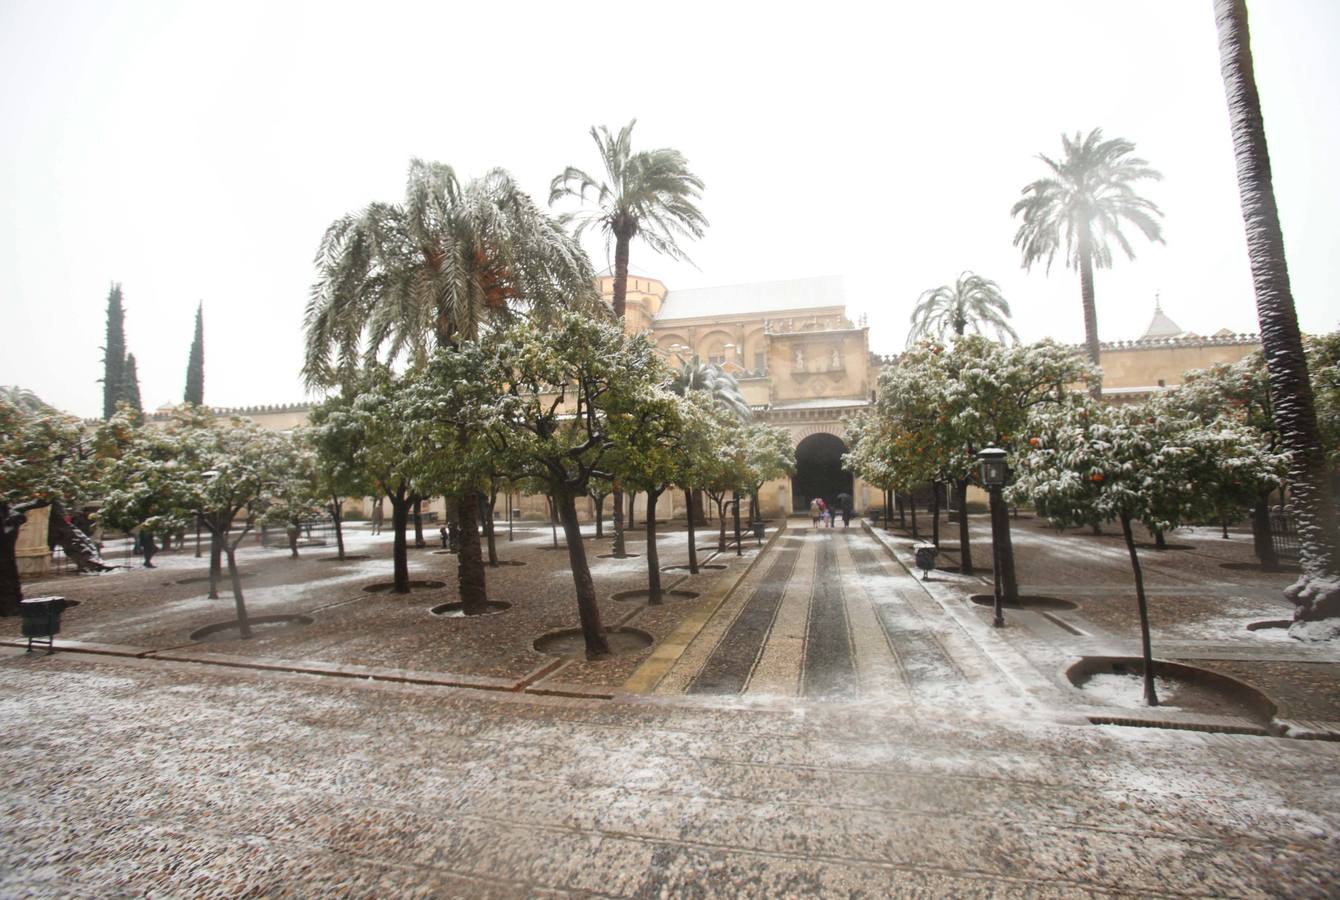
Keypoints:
pixel 816 511
pixel 148 548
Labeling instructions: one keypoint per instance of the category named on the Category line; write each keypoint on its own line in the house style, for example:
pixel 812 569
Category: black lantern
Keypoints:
pixel 994 469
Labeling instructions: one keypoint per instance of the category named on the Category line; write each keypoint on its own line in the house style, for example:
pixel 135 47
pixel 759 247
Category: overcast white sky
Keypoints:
pixel 198 151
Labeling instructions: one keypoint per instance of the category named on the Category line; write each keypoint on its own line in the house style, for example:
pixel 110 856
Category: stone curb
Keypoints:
pixel 668 651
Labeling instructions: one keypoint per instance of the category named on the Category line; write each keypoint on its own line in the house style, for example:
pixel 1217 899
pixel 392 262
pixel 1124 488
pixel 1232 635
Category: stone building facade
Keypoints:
pixel 804 365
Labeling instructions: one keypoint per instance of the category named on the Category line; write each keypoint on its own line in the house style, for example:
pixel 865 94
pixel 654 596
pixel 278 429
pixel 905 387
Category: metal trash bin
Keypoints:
pixel 41 619
pixel 760 530
pixel 926 553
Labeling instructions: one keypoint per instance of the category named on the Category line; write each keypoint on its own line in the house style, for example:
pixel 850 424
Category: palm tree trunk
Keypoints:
pixel 621 242
pixel 588 610
pixel 1090 307
pixel 1316 594
pixel 653 557
pixel 470 561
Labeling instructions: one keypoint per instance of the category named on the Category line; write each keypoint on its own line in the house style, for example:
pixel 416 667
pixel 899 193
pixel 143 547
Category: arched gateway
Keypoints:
pixel 819 471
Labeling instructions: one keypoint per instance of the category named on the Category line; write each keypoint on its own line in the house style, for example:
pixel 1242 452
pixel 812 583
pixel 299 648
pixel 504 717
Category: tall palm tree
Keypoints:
pixel 649 194
pixel 1083 205
pixel 400 280
pixel 971 302
pixel 1317 592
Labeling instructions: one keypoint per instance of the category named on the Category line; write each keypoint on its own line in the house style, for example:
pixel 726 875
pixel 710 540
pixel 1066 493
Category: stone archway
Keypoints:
pixel 819 471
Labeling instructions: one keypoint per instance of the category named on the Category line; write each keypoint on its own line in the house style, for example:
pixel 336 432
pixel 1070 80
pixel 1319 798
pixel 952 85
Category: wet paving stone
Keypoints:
pixel 830 670
pixel 727 669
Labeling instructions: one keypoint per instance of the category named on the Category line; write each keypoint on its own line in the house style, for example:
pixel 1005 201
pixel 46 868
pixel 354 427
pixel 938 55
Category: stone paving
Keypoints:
pixel 819 721
pixel 121 776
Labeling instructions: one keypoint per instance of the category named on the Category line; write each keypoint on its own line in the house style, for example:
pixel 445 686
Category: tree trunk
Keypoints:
pixel 935 513
pixel 965 548
pixel 588 610
pixel 693 537
pixel 337 517
pixel 600 515
pixel 470 561
pixel 399 549
pixel 486 511
pixel 11 586
pixel 553 518
pixel 74 542
pixel 912 500
pixel 1160 541
pixel 1151 698
pixel 1317 592
pixel 901 503
pixel 1090 307
pixel 721 515
pixel 418 524
pixel 1262 540
pixel 243 623
pixel 215 561
pixel 622 239
pixel 632 504
pixel 620 546
pixel 653 556
pixel 696 507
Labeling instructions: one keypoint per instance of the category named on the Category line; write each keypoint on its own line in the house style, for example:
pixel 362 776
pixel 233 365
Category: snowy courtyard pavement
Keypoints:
pixel 125 776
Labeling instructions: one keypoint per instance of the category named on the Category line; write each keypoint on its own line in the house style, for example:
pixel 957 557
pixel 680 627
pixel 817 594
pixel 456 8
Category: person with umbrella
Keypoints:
pixel 844 503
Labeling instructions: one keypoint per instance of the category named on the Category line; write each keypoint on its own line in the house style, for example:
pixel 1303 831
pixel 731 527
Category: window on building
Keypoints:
pixel 760 360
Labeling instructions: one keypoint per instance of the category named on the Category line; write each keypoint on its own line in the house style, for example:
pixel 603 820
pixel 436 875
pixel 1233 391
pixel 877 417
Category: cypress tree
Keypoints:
pixel 114 353
pixel 195 366
pixel 131 391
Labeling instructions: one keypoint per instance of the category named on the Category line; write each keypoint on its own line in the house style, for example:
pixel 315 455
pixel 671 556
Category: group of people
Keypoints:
pixel 826 516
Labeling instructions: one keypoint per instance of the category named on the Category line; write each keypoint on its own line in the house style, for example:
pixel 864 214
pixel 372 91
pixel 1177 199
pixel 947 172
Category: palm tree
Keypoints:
pixel 1083 204
pixel 400 280
pixel 649 194
pixel 1317 592
pixel 696 375
pixel 972 302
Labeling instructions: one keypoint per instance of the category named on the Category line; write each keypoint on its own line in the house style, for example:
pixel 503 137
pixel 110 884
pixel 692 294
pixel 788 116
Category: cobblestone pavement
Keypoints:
pixel 121 776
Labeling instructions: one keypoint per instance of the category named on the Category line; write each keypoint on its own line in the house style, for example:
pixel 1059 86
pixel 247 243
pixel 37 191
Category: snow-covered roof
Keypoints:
pixel 760 297
pixel 1161 326
pixel 820 404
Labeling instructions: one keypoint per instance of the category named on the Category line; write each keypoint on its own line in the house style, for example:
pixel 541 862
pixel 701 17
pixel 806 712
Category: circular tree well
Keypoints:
pixel 385 587
pixel 568 643
pixel 261 626
pixel 457 610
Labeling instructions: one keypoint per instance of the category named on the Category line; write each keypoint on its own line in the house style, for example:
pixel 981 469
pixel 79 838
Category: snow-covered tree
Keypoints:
pixel 1087 464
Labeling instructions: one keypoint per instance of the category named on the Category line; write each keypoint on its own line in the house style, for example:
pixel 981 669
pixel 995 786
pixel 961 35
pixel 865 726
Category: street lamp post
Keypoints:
pixel 995 471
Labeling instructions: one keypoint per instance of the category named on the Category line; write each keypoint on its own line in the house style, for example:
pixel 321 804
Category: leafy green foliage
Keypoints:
pixel 195 364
